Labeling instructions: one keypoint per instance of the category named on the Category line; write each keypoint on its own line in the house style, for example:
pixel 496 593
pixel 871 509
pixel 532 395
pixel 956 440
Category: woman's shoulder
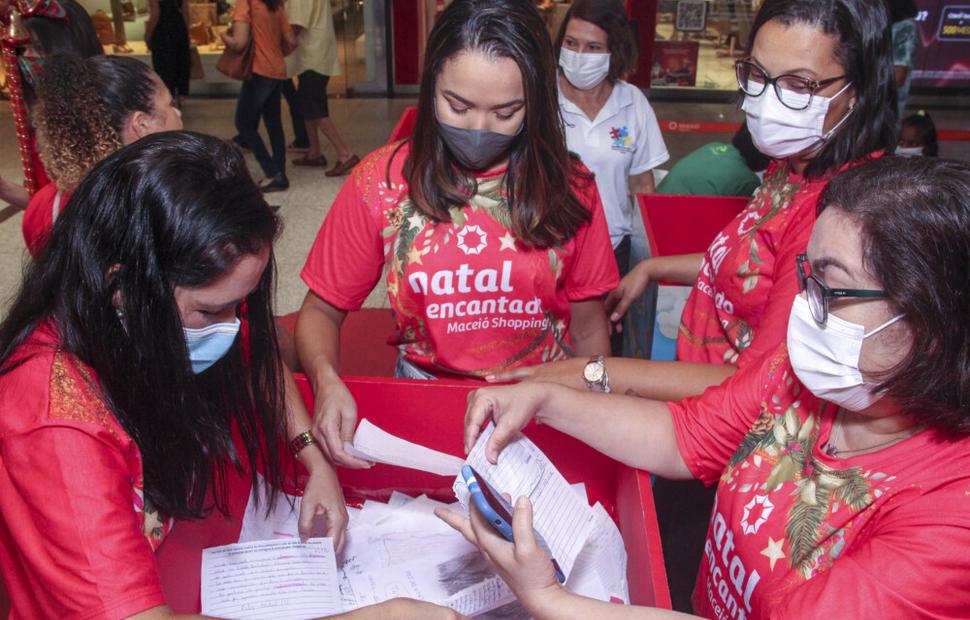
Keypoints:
pixel 382 168
pixel 48 386
pixel 627 91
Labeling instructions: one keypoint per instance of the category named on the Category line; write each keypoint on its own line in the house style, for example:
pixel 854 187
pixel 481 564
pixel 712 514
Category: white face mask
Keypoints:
pixel 826 359
pixel 780 132
pixel 909 151
pixel 584 71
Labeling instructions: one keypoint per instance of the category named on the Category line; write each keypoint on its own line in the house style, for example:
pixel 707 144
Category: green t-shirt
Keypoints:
pixel 715 169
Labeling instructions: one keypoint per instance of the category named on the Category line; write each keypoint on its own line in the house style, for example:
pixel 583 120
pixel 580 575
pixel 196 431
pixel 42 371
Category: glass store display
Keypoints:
pixel 697 42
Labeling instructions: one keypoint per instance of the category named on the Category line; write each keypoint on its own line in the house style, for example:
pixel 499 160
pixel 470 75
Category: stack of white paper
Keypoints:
pixel 400 548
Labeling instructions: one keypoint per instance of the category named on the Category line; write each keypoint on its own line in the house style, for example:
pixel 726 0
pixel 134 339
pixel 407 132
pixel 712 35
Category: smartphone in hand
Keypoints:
pixel 498 512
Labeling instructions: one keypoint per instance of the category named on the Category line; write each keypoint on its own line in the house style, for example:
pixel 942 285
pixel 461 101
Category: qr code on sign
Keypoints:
pixel 691 15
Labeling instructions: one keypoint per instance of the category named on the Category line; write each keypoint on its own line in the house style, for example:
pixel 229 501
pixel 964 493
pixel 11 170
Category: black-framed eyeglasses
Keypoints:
pixel 794 91
pixel 819 295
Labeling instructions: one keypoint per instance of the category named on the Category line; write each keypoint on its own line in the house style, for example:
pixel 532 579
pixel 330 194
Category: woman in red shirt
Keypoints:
pixel 87 109
pixel 126 395
pixel 842 458
pixel 493 235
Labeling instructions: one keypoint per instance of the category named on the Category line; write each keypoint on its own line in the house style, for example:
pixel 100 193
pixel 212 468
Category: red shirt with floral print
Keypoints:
pixel 796 533
pixel 738 309
pixel 76 536
pixel 468 297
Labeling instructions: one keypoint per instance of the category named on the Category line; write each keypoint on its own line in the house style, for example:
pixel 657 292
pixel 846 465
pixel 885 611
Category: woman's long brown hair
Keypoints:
pixel 544 208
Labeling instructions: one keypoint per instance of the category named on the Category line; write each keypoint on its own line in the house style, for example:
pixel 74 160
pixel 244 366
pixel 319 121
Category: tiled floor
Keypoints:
pixel 365 124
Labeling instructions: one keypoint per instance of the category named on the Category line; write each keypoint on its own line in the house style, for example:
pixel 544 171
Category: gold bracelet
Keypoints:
pixel 301 441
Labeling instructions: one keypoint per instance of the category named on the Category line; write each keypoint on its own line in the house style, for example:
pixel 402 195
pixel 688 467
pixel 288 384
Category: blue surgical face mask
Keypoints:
pixel 207 345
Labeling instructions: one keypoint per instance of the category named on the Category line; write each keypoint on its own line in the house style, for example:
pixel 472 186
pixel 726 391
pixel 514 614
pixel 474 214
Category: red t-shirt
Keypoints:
pixel 76 537
pixel 738 309
pixel 469 299
pixel 796 533
pixel 45 205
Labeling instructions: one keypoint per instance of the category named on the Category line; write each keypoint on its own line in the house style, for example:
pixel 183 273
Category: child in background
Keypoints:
pixel 918 136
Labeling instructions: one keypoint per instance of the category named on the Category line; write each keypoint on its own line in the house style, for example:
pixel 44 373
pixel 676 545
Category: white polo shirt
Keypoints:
pixel 623 140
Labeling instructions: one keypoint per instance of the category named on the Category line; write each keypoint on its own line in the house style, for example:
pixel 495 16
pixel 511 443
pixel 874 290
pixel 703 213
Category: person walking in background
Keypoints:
pixel 168 38
pixel 266 24
pixel 120 45
pixel 314 61
pixel 718 169
pixel 609 123
pixel 905 46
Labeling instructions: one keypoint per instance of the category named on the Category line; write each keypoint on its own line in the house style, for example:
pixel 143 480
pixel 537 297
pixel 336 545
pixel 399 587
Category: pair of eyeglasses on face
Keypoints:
pixel 819 295
pixel 794 91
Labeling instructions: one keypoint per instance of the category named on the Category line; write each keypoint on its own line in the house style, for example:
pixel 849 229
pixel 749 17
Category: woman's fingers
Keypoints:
pixel 516 374
pixel 479 410
pixel 458 522
pixel 522 530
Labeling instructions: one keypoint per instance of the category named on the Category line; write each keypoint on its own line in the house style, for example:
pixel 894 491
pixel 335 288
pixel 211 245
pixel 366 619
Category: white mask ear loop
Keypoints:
pixel 883 326
pixel 831 132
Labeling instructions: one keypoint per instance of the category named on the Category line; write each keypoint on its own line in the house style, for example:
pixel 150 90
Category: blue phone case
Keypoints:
pixel 498 512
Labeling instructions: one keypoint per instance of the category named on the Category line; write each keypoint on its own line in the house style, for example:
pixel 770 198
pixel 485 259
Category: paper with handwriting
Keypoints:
pixel 272 579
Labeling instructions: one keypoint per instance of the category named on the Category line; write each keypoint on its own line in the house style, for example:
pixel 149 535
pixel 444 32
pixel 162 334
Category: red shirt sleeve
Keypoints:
pixel 79 540
pixel 710 427
pixel 593 271
pixel 913 565
pixel 347 257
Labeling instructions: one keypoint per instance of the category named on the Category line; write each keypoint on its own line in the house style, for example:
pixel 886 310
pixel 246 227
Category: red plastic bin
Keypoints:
pixel 431 413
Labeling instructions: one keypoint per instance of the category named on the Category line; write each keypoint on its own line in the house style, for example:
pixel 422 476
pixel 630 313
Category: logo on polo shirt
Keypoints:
pixel 622 140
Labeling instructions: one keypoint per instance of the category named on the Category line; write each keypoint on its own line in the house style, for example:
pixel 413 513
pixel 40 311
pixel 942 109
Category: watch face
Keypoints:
pixel 593 372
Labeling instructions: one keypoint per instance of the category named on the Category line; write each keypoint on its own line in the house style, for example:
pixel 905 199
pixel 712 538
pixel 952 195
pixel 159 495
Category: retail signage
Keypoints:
pixel 943 56
pixel 674 63
pixel 955 24
pixel 691 16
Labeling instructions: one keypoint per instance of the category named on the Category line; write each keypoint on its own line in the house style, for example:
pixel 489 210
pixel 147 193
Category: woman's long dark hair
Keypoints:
pixel 173 209
pixel 545 211
pixel 862 34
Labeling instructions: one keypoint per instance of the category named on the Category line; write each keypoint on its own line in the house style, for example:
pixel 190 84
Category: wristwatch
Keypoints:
pixel 594 374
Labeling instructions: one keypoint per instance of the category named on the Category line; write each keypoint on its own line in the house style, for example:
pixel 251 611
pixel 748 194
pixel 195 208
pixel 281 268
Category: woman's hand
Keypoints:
pixel 631 288
pixel 510 407
pixel 334 422
pixel 523 565
pixel 323 510
pixel 567 372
